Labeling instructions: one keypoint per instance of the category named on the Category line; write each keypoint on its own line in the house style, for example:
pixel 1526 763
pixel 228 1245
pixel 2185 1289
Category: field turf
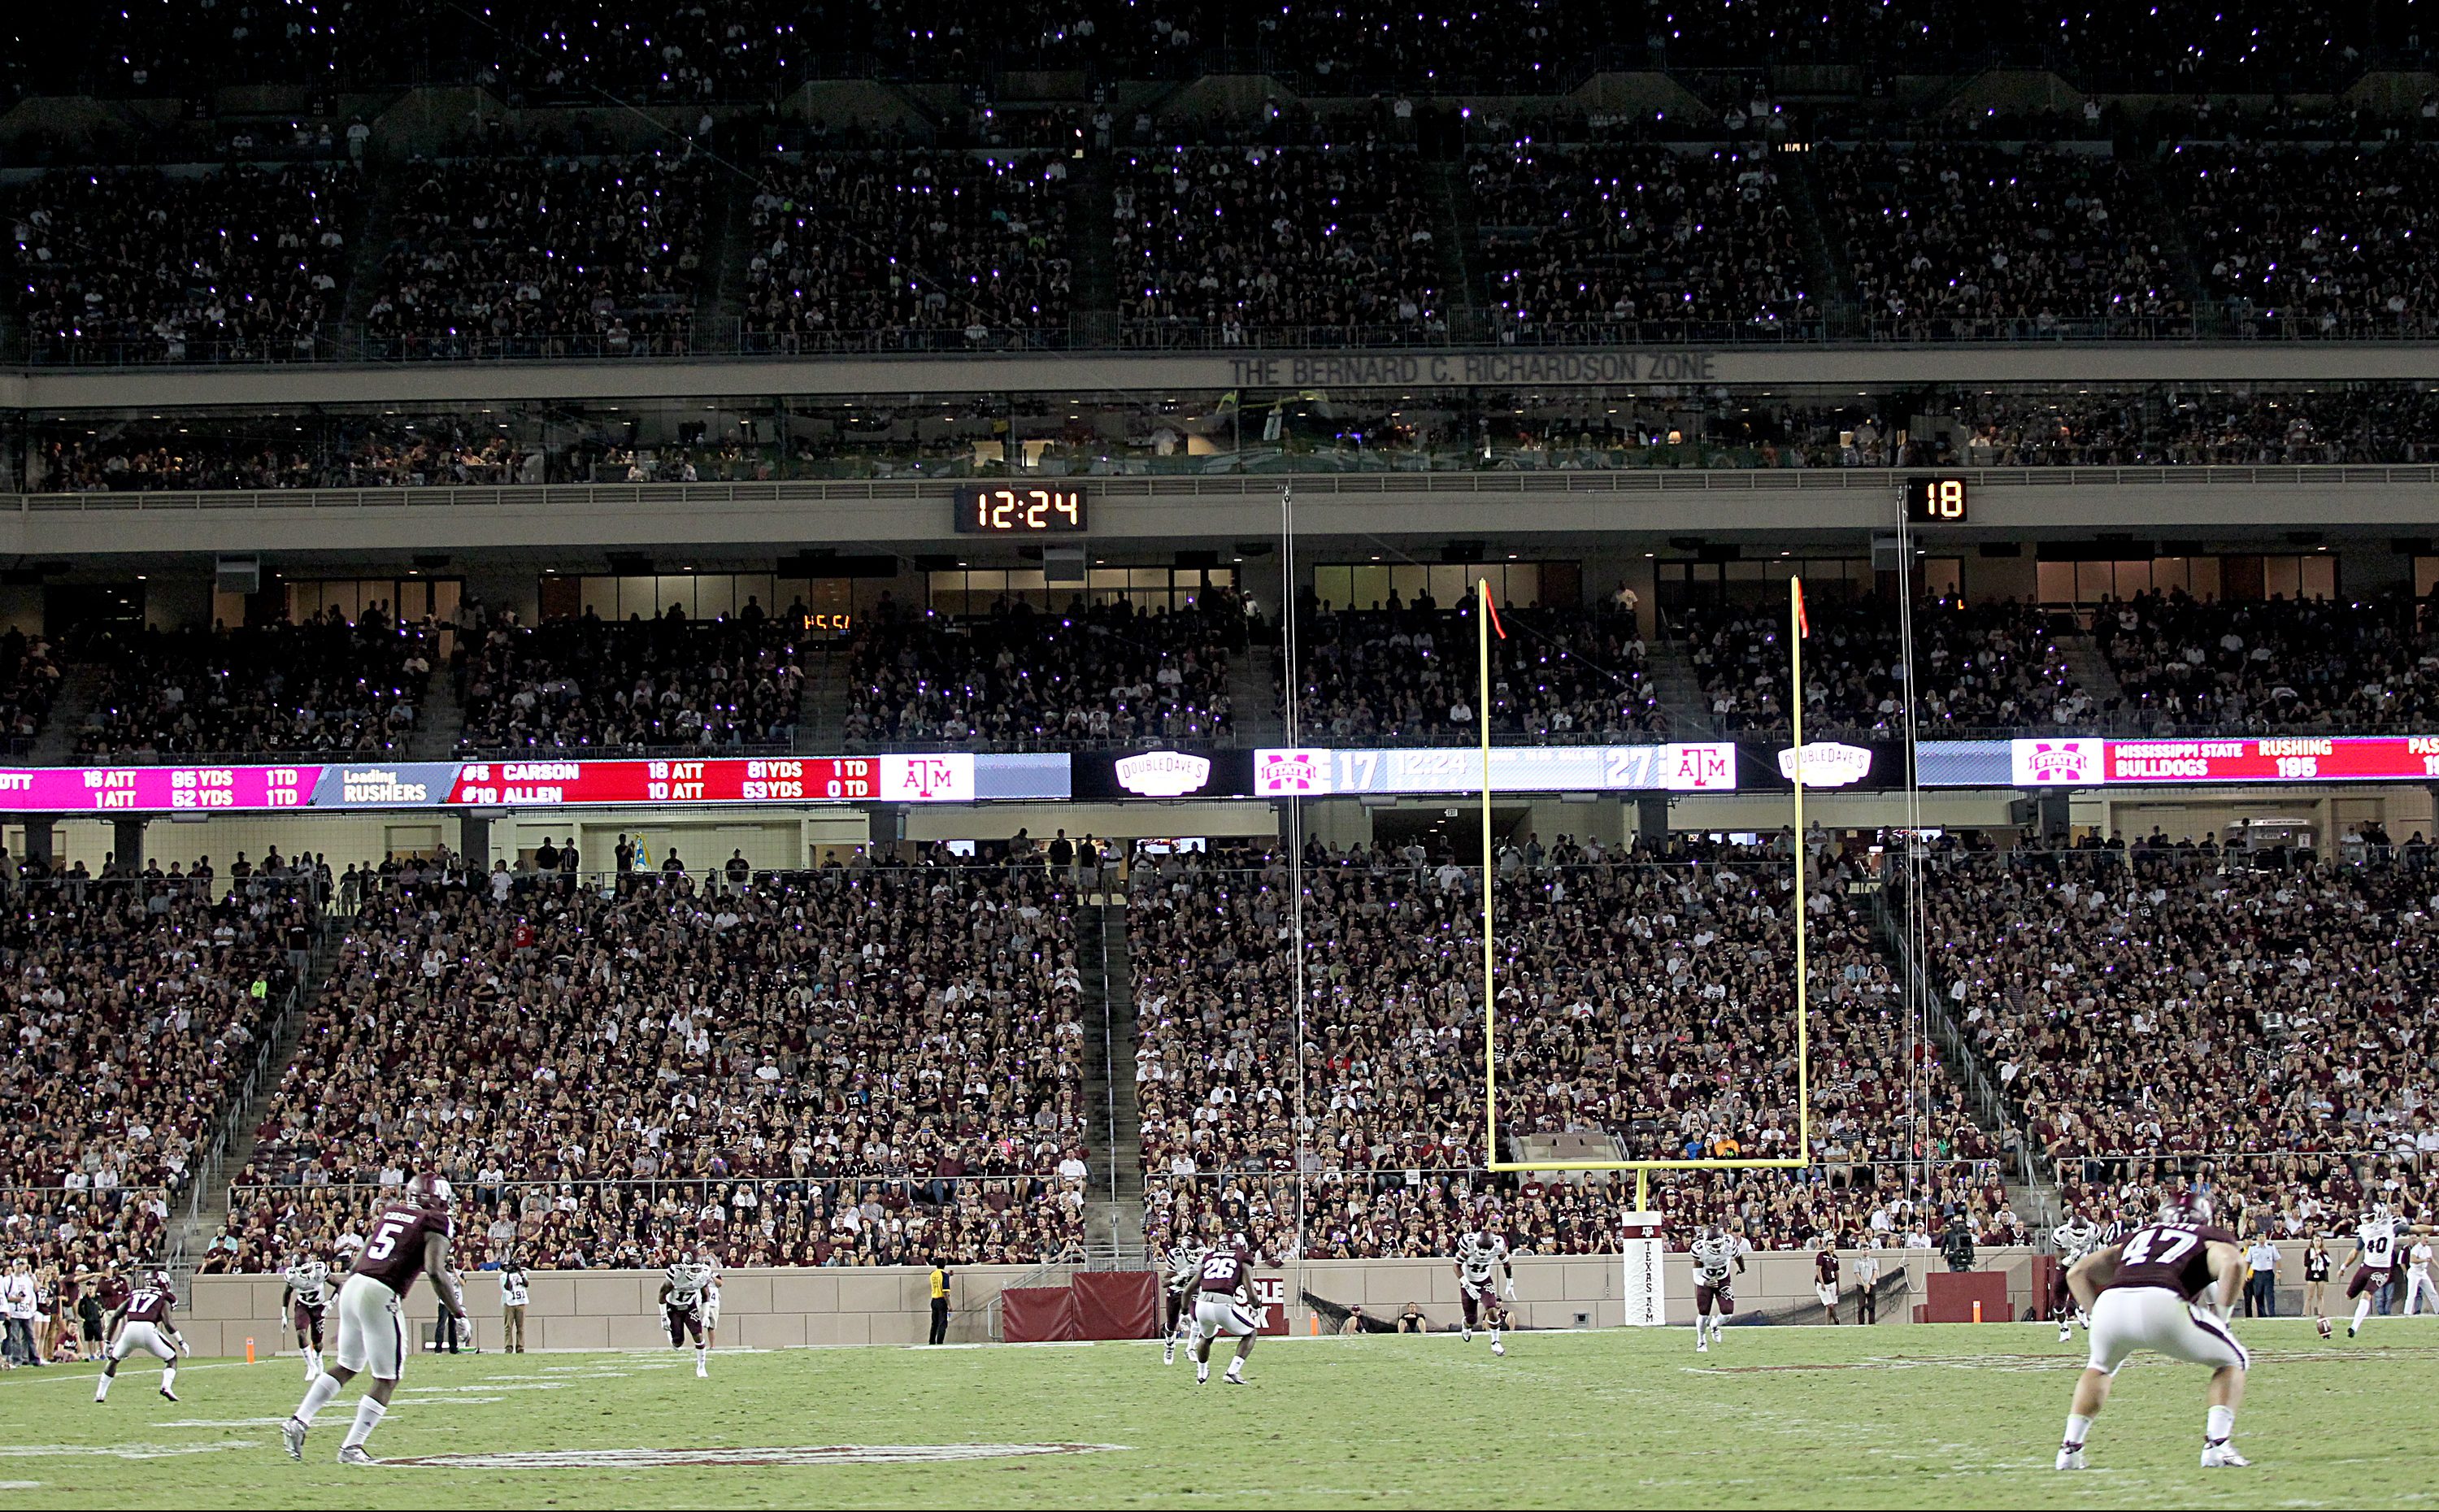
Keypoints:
pixel 1775 1416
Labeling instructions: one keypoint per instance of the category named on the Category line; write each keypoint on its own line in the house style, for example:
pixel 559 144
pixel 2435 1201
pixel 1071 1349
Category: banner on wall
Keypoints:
pixel 2265 759
pixel 1162 773
pixel 1646 1261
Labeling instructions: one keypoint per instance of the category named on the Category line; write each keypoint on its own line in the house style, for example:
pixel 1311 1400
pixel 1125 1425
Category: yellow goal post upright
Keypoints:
pixel 1643 1168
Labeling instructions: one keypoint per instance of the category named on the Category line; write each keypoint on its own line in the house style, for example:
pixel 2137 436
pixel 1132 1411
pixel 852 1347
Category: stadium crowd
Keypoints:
pixel 135 1008
pixel 1972 243
pixel 902 248
pixel 141 265
pixel 543 257
pixel 2315 241
pixel 680 52
pixel 369 456
pixel 2263 1020
pixel 2276 664
pixel 856 1066
pixel 323 686
pixel 1986 666
pixel 662 684
pixel 29 685
pixel 1021 679
pixel 1410 672
pixel 1228 245
pixel 2365 423
pixel 1637 243
pixel 1617 1031
pixel 2164 427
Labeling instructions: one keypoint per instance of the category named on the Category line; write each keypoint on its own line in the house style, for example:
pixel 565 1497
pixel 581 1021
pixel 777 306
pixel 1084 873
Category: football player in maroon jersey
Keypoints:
pixel 2169 1289
pixel 1225 1304
pixel 142 1322
pixel 410 1238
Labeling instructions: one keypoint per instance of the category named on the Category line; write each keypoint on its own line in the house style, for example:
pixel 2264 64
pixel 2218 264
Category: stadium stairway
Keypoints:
pixel 79 689
pixel 723 304
pixel 362 283
pixel 1842 315
pixel 1679 689
pixel 2030 1192
pixel 1092 278
pixel 2151 187
pixel 1114 1217
pixel 2091 669
pixel 821 702
pixel 1254 697
pixel 1455 229
pixel 212 1177
pixel 439 723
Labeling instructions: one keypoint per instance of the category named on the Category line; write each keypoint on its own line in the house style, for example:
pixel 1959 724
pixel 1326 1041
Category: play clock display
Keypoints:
pixel 1056 509
pixel 1935 502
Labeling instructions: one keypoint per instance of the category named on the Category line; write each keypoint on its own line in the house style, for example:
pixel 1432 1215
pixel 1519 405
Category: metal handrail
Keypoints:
pixel 556 497
pixel 1991 1099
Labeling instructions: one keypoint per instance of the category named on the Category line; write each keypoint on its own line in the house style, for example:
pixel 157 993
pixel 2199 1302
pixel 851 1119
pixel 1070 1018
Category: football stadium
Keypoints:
pixel 1085 753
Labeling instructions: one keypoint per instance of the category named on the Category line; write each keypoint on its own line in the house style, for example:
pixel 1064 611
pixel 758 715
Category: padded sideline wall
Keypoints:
pixel 789 1308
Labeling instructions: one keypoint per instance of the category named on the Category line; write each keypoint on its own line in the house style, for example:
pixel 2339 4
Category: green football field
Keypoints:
pixel 1820 1418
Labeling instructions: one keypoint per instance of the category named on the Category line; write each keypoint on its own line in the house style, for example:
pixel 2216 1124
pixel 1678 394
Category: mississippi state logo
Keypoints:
pixel 1291 772
pixel 2054 763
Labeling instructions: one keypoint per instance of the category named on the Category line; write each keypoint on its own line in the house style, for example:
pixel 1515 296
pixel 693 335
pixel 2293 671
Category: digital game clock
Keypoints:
pixel 1056 509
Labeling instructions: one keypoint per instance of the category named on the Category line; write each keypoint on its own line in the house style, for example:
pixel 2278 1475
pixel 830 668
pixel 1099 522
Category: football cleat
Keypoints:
pixel 1202 1373
pixel 2070 1459
pixel 169 1395
pixel 2223 1457
pixel 1168 1351
pixel 354 1454
pixel 1232 1378
pixel 2066 1332
pixel 701 1374
pixel 1498 1348
pixel 2350 1330
pixel 1464 1333
pixel 1702 1345
pixel 292 1436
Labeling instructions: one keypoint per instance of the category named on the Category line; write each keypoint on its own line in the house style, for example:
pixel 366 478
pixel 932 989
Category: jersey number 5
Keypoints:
pixel 385 1241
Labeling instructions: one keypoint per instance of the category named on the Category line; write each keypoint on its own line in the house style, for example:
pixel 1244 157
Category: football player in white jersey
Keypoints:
pixel 1184 1259
pixel 305 1299
pixel 711 1303
pixel 2374 1258
pixel 1480 1253
pixel 1718 1256
pixel 681 1302
pixel 2074 1239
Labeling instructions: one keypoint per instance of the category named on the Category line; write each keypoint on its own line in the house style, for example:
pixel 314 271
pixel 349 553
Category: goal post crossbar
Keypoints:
pixel 1489 991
